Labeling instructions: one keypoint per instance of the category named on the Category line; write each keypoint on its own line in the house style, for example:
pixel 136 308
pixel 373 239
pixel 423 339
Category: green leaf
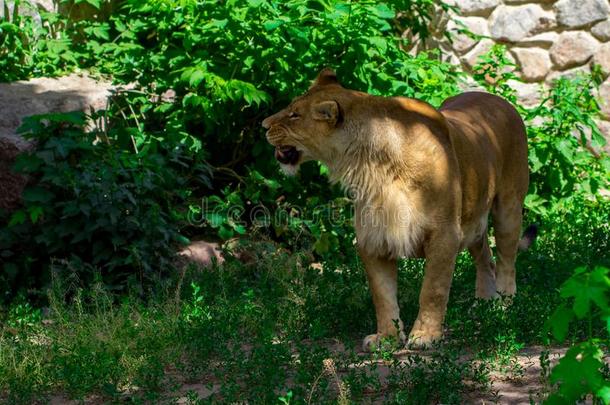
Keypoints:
pixel 35 213
pixel 322 245
pixel 383 11
pixel 566 149
pixel 577 373
pixel 559 322
pixel 37 194
pixel 240 229
pixel 273 24
pixel 604 394
pixel 183 239
pixel 196 77
pixel 95 3
pixel 18 217
pixel 225 232
pixel 587 287
pixel 27 163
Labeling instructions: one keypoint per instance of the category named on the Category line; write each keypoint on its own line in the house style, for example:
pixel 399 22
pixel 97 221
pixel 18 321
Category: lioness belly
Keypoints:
pixel 474 231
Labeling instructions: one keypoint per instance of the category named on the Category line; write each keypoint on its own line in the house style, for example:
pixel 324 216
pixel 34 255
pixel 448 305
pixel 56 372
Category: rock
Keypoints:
pixel 476 7
pixel 471 58
pixel 578 13
pixel 543 40
pixel 203 253
pixel 469 84
pixel 601 30
pixel 11 184
pixel 604 128
pixel 461 41
pixel 535 63
pixel 528 94
pixel 44 95
pixel 573 48
pixel 248 252
pixel 568 74
pixel 39 96
pixel 513 24
pixel 448 55
pixel 602 58
pixel 538 121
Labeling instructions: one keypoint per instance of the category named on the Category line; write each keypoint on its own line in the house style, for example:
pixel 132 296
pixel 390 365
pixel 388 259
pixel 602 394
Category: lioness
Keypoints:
pixel 424 182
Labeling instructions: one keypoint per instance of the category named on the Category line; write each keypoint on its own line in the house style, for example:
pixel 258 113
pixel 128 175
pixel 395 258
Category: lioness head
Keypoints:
pixel 308 129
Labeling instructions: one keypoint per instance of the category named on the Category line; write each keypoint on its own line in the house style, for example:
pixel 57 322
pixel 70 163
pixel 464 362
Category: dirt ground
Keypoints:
pixel 525 388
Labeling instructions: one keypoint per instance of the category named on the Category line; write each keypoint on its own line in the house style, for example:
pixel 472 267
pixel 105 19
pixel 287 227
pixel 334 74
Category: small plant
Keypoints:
pixel 582 370
pixel 22 315
pixel 195 310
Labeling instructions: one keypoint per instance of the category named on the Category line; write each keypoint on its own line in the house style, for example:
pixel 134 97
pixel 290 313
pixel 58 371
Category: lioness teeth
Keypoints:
pixel 287 154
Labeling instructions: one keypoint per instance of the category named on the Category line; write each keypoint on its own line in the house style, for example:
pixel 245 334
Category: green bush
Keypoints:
pixel 582 370
pixel 92 202
pixel 258 55
pixel 565 143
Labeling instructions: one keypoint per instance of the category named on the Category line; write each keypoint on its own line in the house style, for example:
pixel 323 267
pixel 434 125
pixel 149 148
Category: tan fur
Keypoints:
pixel 424 183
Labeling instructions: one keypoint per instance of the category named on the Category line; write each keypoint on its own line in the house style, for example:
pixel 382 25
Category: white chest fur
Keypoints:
pixel 388 222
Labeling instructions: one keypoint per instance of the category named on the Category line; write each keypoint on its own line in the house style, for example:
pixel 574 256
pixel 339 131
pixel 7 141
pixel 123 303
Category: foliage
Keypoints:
pixel 564 140
pixel 261 54
pixel 13 47
pixel 564 161
pixel 582 370
pixel 92 202
pixel 32 48
pixel 194 103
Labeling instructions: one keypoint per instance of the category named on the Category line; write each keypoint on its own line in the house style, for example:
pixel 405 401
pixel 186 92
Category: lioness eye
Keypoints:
pixel 293 115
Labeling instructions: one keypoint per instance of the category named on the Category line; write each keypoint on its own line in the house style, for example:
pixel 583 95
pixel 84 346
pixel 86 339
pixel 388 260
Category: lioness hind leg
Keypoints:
pixel 507 216
pixel 486 268
pixel 382 275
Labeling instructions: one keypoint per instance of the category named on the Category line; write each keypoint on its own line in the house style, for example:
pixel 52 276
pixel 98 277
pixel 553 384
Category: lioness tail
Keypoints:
pixel 529 236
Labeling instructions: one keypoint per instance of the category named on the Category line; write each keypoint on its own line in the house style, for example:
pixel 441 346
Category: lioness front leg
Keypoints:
pixel 382 275
pixel 441 251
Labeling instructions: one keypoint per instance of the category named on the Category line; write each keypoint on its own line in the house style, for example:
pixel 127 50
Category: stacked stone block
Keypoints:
pixel 547 39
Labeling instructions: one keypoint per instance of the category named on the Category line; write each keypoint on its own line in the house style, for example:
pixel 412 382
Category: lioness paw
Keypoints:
pixel 423 339
pixel 374 342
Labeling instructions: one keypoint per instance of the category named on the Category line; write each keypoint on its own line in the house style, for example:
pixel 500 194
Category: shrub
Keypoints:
pixel 92 201
pixel 565 143
pixel 582 370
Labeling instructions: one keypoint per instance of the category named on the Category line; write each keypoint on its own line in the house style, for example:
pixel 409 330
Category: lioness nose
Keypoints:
pixel 266 123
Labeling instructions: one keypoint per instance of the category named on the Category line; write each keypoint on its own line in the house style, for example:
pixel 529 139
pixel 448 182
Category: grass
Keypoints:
pixel 279 331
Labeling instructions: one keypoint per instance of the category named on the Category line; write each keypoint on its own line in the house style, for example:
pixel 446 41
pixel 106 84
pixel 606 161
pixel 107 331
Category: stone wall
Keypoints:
pixel 546 38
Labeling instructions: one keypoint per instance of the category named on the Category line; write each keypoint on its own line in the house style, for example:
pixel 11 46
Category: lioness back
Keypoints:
pixel 490 141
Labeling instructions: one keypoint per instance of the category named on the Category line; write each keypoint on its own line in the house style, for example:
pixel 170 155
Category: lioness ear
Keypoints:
pixel 327 111
pixel 326 76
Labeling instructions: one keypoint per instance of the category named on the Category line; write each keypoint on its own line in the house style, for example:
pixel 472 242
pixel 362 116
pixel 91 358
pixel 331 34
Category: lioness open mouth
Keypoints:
pixel 288 155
